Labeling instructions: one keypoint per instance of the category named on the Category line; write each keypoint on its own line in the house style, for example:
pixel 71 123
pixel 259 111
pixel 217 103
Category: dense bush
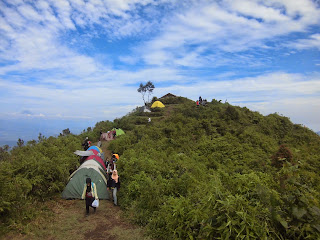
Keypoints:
pixel 32 174
pixel 209 172
pixel 173 100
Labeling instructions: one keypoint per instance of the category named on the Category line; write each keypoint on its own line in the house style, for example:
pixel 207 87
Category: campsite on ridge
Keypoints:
pixel 194 172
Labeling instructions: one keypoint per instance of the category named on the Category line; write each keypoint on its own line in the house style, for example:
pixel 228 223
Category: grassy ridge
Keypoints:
pixel 31 174
pixel 213 172
pixel 36 172
pixel 207 172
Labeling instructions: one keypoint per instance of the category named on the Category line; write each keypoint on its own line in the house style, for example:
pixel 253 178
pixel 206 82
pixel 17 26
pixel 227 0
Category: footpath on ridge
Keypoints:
pixel 68 221
pixel 65 219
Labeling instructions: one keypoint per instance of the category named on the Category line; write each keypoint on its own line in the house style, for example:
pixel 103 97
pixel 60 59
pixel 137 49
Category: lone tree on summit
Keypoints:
pixel 143 89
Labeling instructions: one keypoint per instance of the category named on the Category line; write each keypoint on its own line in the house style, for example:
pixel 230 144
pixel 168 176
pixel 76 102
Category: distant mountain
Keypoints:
pixel 318 133
pixel 6 142
pixel 29 129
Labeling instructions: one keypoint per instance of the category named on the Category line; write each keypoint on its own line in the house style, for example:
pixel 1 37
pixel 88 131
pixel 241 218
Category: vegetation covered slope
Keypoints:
pixel 213 172
pixel 36 172
pixel 220 172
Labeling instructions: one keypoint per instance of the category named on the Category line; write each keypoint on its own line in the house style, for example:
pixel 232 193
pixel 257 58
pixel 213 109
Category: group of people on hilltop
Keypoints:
pixel 90 193
pixel 201 102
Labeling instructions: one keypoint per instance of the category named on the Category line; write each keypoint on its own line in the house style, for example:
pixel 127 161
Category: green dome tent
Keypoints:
pixel 119 131
pixel 91 168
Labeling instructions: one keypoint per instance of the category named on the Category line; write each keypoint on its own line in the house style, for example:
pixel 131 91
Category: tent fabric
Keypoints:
pixel 95 148
pixel 95 165
pixel 110 134
pixel 98 159
pixel 75 186
pixel 143 109
pixel 107 136
pixel 95 152
pixel 119 131
pixel 94 168
pixel 104 136
pixel 83 153
pixel 157 104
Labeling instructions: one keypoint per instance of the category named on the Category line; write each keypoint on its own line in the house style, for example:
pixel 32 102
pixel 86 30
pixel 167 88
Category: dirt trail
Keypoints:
pixel 104 148
pixel 67 220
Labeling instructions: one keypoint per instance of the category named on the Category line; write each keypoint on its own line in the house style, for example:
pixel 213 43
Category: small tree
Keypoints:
pixel 41 138
pixel 65 132
pixel 283 161
pixel 281 156
pixel 5 148
pixel 32 142
pixel 4 152
pixel 147 88
pixel 20 142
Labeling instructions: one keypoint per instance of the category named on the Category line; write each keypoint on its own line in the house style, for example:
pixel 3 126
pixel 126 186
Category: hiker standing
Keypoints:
pixel 111 166
pixel 197 103
pixel 115 157
pixel 86 144
pixel 114 185
pixel 89 194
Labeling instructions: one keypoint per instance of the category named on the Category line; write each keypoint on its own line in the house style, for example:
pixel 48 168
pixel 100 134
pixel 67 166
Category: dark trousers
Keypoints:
pixel 89 202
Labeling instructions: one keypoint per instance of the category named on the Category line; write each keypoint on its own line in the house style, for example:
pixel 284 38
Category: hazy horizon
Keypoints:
pixel 29 129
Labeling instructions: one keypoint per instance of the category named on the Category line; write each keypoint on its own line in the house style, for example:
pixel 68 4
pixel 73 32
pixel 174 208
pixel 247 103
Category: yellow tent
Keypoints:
pixel 157 104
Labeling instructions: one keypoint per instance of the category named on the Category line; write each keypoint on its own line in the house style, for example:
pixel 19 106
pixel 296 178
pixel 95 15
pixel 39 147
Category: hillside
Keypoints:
pixel 219 172
pixel 207 172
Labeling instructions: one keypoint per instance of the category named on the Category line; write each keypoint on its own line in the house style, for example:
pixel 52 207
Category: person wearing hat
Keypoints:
pixel 115 157
pixel 89 194
pixel 113 184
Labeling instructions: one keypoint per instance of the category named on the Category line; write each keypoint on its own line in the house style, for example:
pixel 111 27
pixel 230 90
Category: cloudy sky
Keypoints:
pixel 71 63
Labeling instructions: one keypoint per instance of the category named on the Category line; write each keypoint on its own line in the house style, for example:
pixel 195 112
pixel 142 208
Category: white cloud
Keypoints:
pixel 293 95
pixel 47 46
pixel 300 110
pixel 228 26
pixel 269 86
pixel 29 13
pixel 312 42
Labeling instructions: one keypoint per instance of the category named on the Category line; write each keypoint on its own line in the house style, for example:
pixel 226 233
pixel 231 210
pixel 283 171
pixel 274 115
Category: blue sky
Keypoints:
pixel 71 63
